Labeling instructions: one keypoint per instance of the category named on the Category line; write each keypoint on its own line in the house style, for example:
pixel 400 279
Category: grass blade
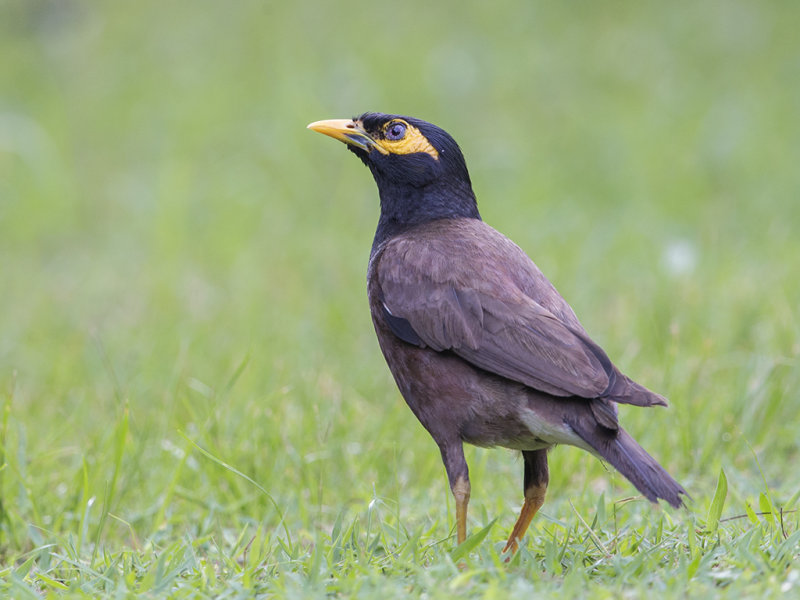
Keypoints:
pixel 715 510
pixel 250 480
pixel 472 542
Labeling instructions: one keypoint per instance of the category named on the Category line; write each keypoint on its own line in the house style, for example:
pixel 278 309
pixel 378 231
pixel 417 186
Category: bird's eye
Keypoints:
pixel 396 131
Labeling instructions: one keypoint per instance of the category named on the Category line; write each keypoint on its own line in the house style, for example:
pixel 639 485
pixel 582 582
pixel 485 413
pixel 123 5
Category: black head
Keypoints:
pixel 419 169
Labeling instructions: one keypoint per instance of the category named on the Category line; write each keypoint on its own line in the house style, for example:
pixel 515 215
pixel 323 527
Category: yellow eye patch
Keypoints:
pixel 413 141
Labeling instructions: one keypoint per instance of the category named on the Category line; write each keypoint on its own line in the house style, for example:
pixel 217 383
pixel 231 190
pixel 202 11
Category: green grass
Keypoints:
pixel 192 403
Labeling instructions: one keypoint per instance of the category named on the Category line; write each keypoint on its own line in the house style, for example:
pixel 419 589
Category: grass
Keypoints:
pixel 192 401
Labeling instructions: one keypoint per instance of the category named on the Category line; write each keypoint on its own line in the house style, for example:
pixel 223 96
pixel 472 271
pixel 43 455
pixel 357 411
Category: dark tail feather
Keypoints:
pixel 630 459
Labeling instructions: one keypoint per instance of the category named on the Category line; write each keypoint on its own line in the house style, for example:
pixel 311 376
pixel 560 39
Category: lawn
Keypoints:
pixel 192 401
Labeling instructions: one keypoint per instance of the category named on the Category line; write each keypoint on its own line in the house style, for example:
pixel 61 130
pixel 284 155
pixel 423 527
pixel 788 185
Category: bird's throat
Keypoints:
pixel 404 208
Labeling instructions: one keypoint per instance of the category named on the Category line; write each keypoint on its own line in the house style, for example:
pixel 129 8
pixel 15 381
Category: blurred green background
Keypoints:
pixel 181 260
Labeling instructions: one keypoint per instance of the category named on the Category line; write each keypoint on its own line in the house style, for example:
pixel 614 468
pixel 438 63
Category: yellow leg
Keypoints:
pixel 461 494
pixel 534 498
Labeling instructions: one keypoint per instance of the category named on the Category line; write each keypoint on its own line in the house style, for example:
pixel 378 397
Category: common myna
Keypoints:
pixel 480 343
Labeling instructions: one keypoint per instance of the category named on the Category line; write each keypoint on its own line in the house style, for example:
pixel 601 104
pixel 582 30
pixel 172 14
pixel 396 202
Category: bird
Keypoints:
pixel 482 347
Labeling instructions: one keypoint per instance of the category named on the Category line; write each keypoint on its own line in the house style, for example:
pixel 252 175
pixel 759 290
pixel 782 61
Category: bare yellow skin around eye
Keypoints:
pixel 413 142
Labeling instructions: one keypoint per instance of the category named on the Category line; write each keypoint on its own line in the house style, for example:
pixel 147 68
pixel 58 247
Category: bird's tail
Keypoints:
pixel 630 459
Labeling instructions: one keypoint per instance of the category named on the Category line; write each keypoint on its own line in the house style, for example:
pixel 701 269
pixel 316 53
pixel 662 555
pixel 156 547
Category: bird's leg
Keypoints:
pixel 458 475
pixel 535 484
pixel 461 494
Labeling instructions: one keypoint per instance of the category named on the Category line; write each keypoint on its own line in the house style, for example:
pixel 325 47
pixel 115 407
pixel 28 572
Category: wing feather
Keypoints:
pixel 484 317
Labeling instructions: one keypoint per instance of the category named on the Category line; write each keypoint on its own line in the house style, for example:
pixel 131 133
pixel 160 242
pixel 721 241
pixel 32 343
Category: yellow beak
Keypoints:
pixel 347 131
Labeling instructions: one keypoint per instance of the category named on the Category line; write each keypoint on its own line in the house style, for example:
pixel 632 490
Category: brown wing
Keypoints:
pixel 472 292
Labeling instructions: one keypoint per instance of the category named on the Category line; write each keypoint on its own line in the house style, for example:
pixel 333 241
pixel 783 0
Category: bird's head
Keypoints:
pixel 419 169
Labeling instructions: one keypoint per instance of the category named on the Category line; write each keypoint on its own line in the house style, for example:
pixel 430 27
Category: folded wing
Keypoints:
pixel 494 326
